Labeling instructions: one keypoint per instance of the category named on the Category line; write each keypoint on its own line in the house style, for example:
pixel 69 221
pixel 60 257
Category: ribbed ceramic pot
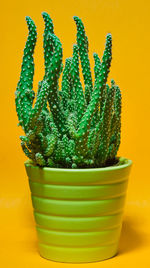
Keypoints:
pixel 78 212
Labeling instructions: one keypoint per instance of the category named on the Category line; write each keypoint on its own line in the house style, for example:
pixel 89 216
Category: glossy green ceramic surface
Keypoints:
pixel 78 212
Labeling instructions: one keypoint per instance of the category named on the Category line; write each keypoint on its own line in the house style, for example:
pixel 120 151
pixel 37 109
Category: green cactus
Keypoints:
pixel 82 42
pixel 66 84
pixel 75 126
pixel 76 84
pixel 48 48
pixel 24 94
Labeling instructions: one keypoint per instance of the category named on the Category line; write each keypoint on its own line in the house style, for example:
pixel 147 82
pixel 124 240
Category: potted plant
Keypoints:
pixel 78 184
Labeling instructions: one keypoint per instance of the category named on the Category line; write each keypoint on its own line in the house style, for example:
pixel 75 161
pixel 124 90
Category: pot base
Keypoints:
pixel 78 255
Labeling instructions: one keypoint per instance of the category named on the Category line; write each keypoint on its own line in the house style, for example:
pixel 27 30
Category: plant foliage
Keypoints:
pixel 75 126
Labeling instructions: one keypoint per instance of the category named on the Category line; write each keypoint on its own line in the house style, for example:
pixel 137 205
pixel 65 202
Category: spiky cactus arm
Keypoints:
pixel 115 125
pixel 71 125
pixel 48 51
pixel 59 156
pixel 97 68
pixel 79 96
pixel 118 115
pixel 26 141
pixel 71 149
pixel 96 139
pixel 65 142
pixel 40 101
pixel 97 65
pixel 48 47
pixel 68 94
pixel 99 87
pixel 68 151
pixel 50 163
pixel 112 135
pixel 50 145
pixel 105 134
pixel 24 92
pixel 43 142
pixel 36 123
pixel 28 153
pixel 40 159
pixel 91 136
pixel 41 122
pixel 53 127
pixel 82 42
pixel 52 77
pixel 81 162
pixel 66 83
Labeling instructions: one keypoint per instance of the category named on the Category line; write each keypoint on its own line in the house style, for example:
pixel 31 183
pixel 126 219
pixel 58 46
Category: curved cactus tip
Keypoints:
pixel 30 22
pixel 76 18
pixel 112 81
pixel 45 14
pixel 109 36
pixel 28 19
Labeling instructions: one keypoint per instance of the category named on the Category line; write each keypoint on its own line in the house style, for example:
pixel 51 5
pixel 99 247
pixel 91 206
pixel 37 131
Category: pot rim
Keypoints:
pixel 126 163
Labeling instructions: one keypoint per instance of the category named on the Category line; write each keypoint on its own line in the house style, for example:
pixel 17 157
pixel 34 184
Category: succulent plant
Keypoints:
pixel 77 126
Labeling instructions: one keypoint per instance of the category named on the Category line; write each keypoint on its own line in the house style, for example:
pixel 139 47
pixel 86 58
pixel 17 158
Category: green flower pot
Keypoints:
pixel 78 213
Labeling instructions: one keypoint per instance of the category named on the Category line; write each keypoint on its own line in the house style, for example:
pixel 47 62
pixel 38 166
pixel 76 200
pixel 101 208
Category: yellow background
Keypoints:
pixel 129 23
